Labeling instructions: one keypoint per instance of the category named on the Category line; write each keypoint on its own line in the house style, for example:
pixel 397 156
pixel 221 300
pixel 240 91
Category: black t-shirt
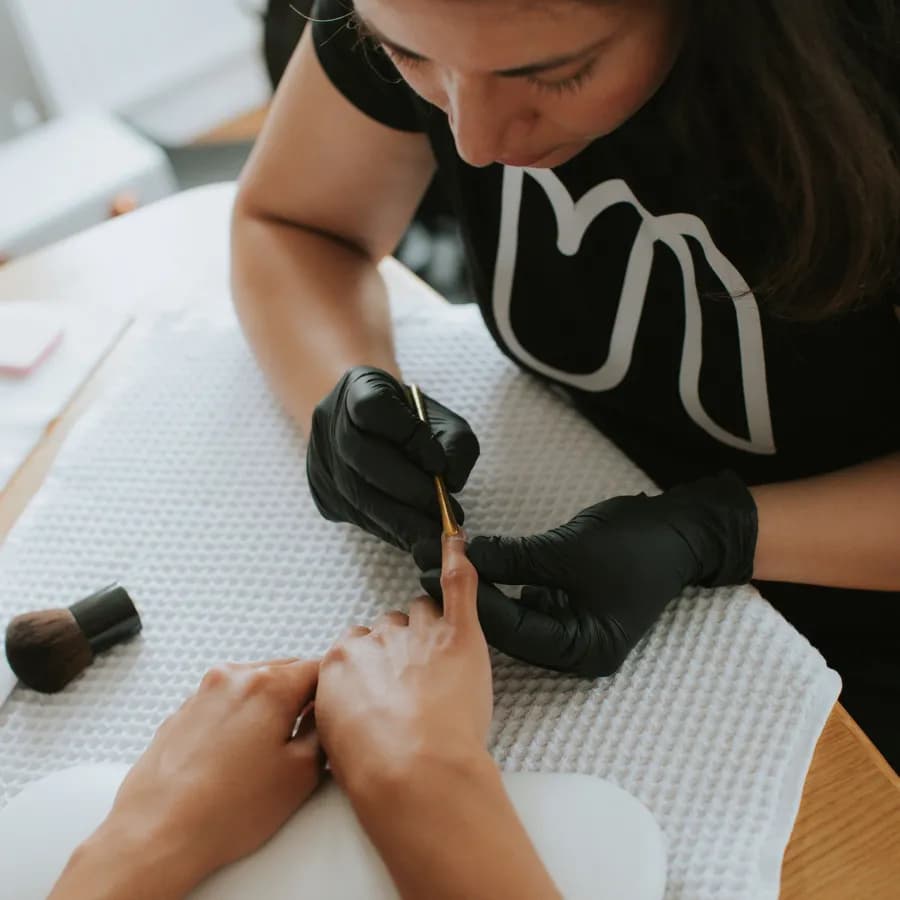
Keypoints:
pixel 606 276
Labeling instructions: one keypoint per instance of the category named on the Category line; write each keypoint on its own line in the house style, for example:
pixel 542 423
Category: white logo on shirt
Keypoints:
pixel 572 220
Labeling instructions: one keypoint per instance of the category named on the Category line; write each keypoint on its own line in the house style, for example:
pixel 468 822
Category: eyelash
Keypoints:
pixel 570 85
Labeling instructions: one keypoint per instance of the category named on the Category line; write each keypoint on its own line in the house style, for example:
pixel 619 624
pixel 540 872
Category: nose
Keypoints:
pixel 478 119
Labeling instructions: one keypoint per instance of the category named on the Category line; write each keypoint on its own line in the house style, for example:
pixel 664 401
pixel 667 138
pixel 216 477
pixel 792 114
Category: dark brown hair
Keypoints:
pixel 807 92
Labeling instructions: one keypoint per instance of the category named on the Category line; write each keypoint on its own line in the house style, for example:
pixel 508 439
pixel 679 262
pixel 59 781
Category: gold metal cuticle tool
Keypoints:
pixel 448 520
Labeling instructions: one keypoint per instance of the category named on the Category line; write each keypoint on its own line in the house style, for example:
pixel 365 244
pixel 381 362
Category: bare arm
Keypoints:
pixel 313 217
pixel 841 529
pixel 449 830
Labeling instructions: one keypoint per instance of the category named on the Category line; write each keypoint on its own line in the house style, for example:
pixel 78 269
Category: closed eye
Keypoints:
pixel 570 84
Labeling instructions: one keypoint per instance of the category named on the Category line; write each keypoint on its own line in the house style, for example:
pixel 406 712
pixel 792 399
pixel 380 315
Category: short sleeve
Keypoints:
pixel 363 74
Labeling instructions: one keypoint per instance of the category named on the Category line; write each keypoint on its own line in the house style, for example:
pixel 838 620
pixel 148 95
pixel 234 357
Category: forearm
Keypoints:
pixel 841 529
pixel 311 308
pixel 448 830
pixel 121 862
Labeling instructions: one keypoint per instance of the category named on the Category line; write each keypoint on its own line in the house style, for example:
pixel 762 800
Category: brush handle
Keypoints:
pixel 106 617
pixel 448 520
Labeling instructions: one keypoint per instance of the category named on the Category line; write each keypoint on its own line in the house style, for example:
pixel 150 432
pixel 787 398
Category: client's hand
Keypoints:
pixel 403 710
pixel 221 776
pixel 411 685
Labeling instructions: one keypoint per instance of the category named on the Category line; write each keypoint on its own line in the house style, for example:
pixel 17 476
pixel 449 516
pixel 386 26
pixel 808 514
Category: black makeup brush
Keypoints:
pixel 47 649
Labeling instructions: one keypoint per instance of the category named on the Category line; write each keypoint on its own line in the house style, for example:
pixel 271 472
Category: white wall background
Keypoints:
pixel 20 100
pixel 176 67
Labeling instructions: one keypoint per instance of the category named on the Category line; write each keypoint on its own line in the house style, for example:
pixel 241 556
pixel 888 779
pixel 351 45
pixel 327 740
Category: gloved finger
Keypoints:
pixel 427 553
pixel 384 467
pixel 405 524
pixel 563 640
pixel 516 560
pixel 377 403
pixel 460 444
pixel 333 506
pixel 461 451
pixel 543 599
pixel 322 489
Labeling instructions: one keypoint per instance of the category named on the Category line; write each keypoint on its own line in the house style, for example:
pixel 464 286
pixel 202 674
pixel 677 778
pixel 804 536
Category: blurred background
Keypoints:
pixel 106 106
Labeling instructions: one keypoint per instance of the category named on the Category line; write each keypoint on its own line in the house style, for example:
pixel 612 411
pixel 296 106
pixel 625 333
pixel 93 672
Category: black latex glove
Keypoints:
pixel 596 584
pixel 372 462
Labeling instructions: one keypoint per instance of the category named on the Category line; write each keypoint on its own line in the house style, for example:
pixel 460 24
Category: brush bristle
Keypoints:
pixel 47 649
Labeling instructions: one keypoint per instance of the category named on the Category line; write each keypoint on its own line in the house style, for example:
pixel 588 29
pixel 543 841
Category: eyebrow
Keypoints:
pixel 545 65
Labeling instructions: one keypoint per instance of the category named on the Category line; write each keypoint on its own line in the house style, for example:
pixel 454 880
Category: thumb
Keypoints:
pixel 515 560
pixel 460 444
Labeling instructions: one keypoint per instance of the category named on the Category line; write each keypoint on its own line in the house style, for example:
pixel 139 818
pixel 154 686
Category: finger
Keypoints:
pixel 562 639
pixel 305 722
pixel 462 452
pixel 423 610
pixel 284 661
pixel 307 752
pixel 543 599
pixel 378 404
pixel 427 553
pixel 403 523
pixel 297 681
pixel 515 560
pixel 392 618
pixel 459 582
pixel 382 468
pixel 387 468
pixel 460 444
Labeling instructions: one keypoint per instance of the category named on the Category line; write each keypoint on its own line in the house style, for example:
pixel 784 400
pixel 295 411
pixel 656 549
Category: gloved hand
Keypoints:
pixel 372 462
pixel 596 584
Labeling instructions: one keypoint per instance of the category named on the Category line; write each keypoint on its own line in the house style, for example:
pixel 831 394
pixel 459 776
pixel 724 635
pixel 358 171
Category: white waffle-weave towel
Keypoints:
pixel 187 484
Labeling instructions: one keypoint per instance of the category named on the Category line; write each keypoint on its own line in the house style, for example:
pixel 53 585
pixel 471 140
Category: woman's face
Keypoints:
pixel 528 83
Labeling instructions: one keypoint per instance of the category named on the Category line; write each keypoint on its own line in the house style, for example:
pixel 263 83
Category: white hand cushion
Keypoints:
pixel 595 839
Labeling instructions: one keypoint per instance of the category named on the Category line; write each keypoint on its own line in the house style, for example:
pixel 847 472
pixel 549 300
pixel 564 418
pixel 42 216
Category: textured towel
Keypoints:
pixel 187 484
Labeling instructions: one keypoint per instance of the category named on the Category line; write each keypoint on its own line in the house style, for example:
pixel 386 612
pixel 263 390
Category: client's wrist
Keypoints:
pixel 414 778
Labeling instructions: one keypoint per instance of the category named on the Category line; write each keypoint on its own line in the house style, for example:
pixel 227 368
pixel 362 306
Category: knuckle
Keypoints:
pixel 335 654
pixel 216 677
pixel 259 681
pixel 458 577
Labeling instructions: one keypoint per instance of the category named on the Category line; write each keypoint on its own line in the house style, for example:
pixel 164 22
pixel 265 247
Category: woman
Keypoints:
pixel 402 711
pixel 685 214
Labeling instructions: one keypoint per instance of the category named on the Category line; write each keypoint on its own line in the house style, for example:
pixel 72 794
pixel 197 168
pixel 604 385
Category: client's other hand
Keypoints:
pixel 411 686
pixel 221 776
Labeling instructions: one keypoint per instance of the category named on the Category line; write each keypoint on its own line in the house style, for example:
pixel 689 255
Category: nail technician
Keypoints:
pixel 682 212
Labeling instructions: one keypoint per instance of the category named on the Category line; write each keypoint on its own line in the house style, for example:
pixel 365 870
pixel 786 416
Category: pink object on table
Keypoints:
pixel 27 338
